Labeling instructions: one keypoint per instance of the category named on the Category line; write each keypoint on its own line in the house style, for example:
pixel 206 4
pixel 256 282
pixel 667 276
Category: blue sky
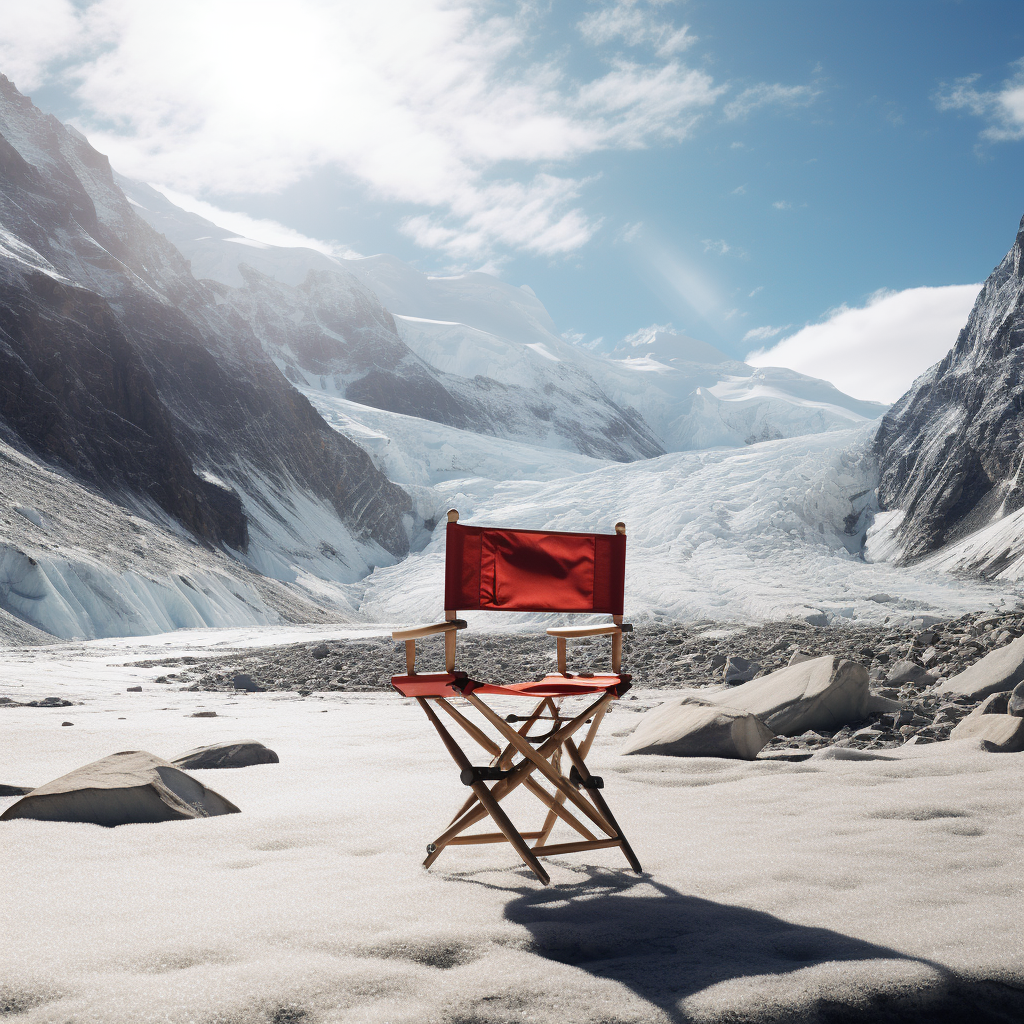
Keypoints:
pixel 735 169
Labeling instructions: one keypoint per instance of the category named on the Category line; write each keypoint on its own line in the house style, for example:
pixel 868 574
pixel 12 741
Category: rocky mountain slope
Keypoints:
pixel 950 450
pixel 120 368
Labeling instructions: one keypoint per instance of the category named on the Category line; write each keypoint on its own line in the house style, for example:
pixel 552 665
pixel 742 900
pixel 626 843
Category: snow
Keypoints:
pixel 75 564
pixel 729 535
pixel 691 394
pixel 773 891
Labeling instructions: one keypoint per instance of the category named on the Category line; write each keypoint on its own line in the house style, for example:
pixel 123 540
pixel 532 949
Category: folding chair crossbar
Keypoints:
pixel 537 571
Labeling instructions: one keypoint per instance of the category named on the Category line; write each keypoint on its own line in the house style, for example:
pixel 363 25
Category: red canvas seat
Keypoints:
pixel 540 571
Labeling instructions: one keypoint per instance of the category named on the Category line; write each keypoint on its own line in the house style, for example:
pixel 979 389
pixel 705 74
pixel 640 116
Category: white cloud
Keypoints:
pixel 444 106
pixel 1004 108
pixel 720 246
pixel 759 288
pixel 636 25
pixel 877 350
pixel 782 204
pixel 739 190
pixel 33 35
pixel 763 333
pixel 764 95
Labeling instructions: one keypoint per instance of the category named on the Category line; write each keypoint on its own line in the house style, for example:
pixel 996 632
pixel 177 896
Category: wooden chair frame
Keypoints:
pixel 544 755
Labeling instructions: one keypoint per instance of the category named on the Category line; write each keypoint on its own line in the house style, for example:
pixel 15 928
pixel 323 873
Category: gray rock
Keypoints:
pixel 824 693
pixel 126 788
pixel 798 656
pixel 1002 734
pixel 321 651
pixel 688 727
pixel 1015 705
pixel 909 672
pixel 993 704
pixel 240 754
pixel 1000 670
pixel 67 723
pixel 203 714
pixel 6 790
pixel 740 670
pixel 244 681
pixel 135 689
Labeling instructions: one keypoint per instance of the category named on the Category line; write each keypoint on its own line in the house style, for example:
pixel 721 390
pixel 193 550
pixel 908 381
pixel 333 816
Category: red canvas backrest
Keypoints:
pixel 533 570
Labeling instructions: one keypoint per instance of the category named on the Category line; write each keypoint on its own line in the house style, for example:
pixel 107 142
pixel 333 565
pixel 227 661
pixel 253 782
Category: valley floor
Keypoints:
pixel 885 888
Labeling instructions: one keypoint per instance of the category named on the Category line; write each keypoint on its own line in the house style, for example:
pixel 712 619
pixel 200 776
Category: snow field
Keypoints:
pixel 771 888
pixel 749 534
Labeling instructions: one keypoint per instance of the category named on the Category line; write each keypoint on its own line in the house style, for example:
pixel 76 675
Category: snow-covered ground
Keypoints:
pixel 883 889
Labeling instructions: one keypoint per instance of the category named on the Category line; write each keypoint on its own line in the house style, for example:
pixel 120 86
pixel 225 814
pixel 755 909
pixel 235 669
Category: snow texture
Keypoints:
pixel 834 889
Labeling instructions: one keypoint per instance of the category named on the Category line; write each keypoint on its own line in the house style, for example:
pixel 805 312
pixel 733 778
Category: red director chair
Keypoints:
pixel 537 571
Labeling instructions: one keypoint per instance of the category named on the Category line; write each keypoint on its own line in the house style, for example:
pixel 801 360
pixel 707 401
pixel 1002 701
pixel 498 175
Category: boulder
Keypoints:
pixel 740 670
pixel 824 694
pixel 6 790
pixel 123 789
pixel 1002 734
pixel 909 672
pixel 239 754
pixel 1000 670
pixel 689 727
pixel 993 704
pixel 800 656
pixel 1015 705
pixel 244 681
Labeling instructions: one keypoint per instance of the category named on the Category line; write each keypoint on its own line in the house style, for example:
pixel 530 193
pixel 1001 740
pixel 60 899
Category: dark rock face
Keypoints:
pixel 120 367
pixel 950 450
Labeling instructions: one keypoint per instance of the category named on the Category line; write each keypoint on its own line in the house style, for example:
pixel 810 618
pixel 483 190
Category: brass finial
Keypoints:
pixel 453 515
pixel 620 528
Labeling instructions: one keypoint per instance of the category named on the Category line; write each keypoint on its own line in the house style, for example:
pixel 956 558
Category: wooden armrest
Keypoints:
pixel 437 627
pixel 571 631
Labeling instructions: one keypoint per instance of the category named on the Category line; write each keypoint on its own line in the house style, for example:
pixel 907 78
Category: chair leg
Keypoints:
pixel 595 795
pixel 547 759
pixel 487 802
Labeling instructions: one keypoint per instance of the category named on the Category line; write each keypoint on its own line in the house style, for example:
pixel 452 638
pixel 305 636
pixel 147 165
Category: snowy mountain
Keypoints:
pixel 121 370
pixel 950 450
pixel 323 323
pixel 495 350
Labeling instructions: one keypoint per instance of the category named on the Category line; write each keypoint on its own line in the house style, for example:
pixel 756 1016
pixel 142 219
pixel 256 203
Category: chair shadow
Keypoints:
pixel 665 945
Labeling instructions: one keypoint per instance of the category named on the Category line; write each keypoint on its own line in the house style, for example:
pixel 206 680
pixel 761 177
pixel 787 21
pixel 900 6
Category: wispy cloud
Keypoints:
pixel 1003 108
pixel 449 107
pixel 878 349
pixel 782 204
pixel 763 333
pixel 759 288
pixel 764 95
pixel 636 24
pixel 720 246
pixel 739 190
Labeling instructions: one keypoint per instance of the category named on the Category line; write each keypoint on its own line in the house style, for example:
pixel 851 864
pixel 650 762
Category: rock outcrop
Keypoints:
pixel 689 727
pixel 950 451
pixel 1000 670
pixel 128 788
pixel 825 693
pixel 1002 734
pixel 239 754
